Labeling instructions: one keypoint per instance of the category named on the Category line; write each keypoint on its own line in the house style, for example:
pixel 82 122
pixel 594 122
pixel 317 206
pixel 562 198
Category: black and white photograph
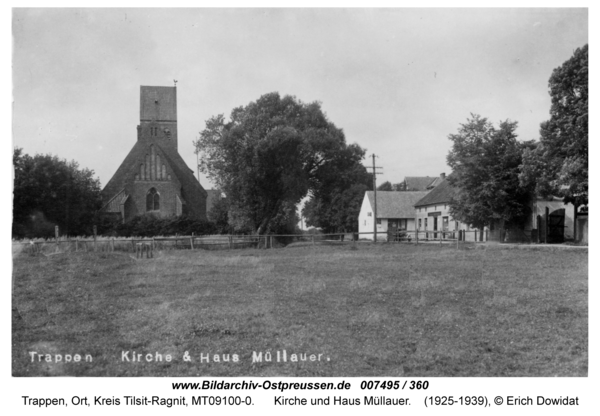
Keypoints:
pixel 300 192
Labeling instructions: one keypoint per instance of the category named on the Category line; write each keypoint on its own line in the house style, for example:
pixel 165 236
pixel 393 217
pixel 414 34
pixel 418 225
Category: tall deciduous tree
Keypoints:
pixel 49 191
pixel 219 215
pixel 338 192
pixel 268 156
pixel 558 165
pixel 485 162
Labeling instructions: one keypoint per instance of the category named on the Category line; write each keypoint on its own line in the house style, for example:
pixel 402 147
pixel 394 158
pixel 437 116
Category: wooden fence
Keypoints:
pixel 129 244
pixel 217 242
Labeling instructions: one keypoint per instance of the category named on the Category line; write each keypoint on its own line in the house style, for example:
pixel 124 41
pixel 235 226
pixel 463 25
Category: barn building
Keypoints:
pixel 153 178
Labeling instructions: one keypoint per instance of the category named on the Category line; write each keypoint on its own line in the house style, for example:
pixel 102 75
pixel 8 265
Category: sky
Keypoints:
pixel 397 81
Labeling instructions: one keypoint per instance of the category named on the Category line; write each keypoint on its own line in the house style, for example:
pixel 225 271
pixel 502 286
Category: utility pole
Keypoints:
pixel 375 173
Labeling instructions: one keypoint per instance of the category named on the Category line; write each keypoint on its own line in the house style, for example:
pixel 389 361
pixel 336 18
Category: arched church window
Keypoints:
pixel 152 200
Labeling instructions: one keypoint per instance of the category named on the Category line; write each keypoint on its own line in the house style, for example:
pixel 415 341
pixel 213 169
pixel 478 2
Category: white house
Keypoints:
pixel 433 217
pixel 395 213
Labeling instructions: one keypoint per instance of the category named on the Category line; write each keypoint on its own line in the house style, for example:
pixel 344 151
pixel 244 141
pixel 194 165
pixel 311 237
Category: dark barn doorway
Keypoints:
pixel 556 226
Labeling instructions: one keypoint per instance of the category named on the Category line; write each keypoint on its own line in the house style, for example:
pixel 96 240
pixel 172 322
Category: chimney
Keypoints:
pixel 443 175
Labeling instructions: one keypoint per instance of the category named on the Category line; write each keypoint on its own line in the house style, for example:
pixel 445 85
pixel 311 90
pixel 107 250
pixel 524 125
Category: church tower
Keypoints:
pixel 158 115
pixel 153 178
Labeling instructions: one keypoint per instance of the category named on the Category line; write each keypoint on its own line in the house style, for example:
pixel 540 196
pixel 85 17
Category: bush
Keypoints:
pixel 150 226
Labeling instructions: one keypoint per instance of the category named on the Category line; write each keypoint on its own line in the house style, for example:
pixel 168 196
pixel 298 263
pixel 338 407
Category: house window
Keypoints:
pixel 419 223
pixel 379 221
pixel 425 223
pixel 152 200
pixel 369 214
pixel 402 224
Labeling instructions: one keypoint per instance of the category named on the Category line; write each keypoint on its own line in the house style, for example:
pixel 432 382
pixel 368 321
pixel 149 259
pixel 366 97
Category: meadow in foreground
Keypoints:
pixel 385 310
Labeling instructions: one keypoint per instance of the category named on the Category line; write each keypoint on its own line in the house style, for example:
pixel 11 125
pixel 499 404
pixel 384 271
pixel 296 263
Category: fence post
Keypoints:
pixel 76 244
pixel 132 244
pixel 95 231
pixel 56 236
pixel 546 217
pixel 230 238
pixel 192 241
pixel 112 244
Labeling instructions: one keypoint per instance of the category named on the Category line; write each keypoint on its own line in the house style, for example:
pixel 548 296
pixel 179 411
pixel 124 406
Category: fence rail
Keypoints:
pixel 216 242
pixel 129 244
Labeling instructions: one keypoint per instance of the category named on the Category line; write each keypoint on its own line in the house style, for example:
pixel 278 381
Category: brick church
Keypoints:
pixel 153 178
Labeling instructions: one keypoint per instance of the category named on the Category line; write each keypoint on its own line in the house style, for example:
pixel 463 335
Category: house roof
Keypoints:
pixel 435 182
pixel 441 194
pixel 418 183
pixel 392 204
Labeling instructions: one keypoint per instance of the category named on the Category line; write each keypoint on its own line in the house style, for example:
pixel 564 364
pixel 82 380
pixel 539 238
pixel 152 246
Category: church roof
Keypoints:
pixel 158 103
pixel 129 167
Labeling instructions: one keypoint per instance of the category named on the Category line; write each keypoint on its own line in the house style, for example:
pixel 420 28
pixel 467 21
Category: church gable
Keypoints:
pixel 154 178
pixel 153 166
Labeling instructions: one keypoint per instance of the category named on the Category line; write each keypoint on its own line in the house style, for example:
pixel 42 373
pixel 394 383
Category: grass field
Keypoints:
pixel 385 310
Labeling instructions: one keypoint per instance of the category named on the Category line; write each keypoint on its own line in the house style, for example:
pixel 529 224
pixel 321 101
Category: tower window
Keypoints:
pixel 152 200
